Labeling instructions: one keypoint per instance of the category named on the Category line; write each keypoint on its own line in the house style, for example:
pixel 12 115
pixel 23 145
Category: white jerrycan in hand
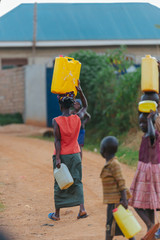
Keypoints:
pixel 63 177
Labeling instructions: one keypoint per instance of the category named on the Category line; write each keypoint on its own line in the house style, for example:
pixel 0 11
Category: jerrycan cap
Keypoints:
pixel 148 56
pixel 60 55
pixel 115 210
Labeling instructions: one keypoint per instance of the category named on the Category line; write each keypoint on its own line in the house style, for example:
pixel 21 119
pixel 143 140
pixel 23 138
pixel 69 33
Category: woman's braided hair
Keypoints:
pixel 66 100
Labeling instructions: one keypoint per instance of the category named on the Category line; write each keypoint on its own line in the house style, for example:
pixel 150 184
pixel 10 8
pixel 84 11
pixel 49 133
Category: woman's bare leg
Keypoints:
pixel 57 212
pixel 82 209
pixel 145 216
pixel 82 212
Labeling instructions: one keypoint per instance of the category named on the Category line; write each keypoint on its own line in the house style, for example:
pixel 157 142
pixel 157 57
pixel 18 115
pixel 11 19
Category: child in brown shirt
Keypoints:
pixel 114 189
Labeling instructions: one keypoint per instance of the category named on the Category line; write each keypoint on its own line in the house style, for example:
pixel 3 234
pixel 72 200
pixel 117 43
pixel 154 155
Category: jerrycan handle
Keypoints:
pixel 115 210
pixel 69 58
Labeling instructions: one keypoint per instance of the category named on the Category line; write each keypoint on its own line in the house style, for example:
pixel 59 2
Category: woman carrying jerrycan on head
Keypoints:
pixel 145 188
pixel 67 151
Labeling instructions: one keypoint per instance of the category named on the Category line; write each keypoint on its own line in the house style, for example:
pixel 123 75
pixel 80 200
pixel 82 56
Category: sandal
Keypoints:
pixel 82 214
pixel 53 217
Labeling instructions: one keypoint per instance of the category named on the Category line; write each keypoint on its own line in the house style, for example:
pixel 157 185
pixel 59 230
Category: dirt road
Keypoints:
pixel 26 190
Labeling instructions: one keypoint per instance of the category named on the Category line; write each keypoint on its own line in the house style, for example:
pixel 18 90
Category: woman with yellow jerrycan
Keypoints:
pixel 65 80
pixel 145 186
pixel 66 130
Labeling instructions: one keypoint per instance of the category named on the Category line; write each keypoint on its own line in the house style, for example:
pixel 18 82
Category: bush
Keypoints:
pixel 10 118
pixel 112 93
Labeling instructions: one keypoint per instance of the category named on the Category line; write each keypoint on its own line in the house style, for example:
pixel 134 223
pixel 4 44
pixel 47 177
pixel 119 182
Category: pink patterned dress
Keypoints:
pixel 145 188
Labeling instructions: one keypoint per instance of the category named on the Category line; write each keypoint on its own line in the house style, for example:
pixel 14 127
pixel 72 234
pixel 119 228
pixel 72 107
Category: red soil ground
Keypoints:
pixel 26 190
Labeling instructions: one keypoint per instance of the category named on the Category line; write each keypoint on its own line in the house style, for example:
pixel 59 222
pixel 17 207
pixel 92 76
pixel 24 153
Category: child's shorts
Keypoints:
pixel 112 228
pixel 81 137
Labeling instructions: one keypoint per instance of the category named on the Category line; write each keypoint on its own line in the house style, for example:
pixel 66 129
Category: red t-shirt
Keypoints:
pixel 69 130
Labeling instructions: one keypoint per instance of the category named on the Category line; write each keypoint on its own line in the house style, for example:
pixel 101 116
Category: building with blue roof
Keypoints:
pixel 36 33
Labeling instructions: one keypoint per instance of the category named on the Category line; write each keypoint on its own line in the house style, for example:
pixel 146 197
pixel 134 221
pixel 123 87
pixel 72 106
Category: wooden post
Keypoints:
pixel 34 33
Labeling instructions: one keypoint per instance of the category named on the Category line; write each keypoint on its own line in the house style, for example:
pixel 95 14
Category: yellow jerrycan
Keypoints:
pixel 149 74
pixel 65 76
pixel 147 105
pixel 126 221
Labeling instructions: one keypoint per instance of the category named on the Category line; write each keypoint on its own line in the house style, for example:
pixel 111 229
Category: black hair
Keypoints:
pixel 109 144
pixel 153 96
pixel 66 102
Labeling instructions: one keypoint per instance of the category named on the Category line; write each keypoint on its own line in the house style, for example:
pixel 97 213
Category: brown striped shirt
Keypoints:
pixel 112 182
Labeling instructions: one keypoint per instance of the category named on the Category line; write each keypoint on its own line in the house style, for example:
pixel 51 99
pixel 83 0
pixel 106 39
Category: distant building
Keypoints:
pixel 37 33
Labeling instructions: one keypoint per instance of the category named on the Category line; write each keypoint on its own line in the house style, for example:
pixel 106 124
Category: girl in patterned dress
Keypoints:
pixel 145 188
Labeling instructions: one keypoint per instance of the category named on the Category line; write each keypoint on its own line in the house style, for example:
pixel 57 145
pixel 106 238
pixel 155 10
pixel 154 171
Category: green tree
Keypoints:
pixel 112 95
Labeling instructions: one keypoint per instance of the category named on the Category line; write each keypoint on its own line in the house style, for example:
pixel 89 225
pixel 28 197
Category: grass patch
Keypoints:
pixel 125 155
pixel 50 139
pixel 6 119
pixel 92 147
pixel 2 207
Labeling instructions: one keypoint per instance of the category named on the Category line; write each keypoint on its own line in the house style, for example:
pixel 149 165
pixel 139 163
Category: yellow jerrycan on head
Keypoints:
pixel 126 221
pixel 147 105
pixel 65 76
pixel 149 74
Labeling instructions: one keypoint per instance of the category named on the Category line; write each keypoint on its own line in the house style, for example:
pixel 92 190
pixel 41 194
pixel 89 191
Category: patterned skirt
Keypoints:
pixel 145 188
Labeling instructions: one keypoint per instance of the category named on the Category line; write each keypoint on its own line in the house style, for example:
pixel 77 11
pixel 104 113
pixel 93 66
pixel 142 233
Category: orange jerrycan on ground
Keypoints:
pixel 126 221
pixel 149 74
pixel 65 76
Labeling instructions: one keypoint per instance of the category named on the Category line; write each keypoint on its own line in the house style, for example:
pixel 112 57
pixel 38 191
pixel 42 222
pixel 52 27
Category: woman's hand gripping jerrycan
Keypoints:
pixel 149 74
pixel 65 76
pixel 126 221
pixel 63 177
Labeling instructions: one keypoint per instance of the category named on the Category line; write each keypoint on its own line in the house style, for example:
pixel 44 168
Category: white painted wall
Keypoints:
pixel 45 55
pixel 35 95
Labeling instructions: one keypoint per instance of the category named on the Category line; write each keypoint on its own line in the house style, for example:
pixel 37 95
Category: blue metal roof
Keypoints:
pixel 81 21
